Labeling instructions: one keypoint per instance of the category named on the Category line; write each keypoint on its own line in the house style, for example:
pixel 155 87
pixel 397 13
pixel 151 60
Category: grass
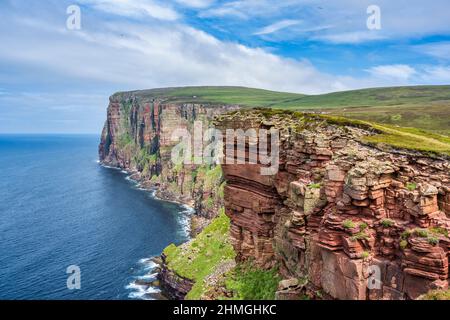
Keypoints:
pixel 439 231
pixel 432 235
pixel 397 137
pixel 436 295
pixel 414 118
pixel 348 224
pixel 363 226
pixel 411 186
pixel 424 107
pixel 403 244
pixel 250 283
pixel 387 223
pixel 221 95
pixel 422 233
pixel 360 236
pixel 200 257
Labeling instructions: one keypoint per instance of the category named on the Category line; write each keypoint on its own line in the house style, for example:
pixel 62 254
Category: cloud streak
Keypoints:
pixel 135 8
pixel 277 26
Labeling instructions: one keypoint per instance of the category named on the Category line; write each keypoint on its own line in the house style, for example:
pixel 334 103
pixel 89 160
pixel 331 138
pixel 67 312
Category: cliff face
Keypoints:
pixel 354 221
pixel 137 138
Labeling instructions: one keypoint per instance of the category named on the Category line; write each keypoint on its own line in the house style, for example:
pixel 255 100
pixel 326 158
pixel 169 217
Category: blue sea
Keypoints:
pixel 59 207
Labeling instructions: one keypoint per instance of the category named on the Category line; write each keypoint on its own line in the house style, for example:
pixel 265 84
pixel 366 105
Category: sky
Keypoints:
pixel 57 79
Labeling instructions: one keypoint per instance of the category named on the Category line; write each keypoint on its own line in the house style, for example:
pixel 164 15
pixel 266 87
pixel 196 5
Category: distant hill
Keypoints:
pixel 424 107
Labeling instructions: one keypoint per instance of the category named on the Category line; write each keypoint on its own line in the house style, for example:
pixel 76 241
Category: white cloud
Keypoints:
pixel 439 74
pixel 439 50
pixel 277 26
pixel 132 56
pixel 134 8
pixel 196 3
pixel 395 71
pixel 350 37
pixel 348 17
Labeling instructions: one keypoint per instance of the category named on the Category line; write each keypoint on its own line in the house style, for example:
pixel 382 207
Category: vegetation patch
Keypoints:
pixel 360 236
pixel 363 226
pixel 436 295
pixel 403 244
pixel 439 231
pixel 247 282
pixel 387 223
pixel 411 186
pixel 422 233
pixel 202 255
pixel 348 224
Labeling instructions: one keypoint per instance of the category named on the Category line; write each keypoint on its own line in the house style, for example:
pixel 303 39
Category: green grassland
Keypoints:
pixel 199 258
pixel 389 136
pixel 416 117
pixel 424 107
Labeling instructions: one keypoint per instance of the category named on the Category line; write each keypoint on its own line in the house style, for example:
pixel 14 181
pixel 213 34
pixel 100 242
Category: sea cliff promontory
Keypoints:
pixel 356 210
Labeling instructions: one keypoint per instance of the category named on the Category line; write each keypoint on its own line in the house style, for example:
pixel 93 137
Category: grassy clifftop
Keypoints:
pixel 423 107
pixel 375 97
pixel 416 118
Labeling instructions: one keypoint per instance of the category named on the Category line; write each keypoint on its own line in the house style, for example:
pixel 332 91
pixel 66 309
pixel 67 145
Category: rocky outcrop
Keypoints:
pixel 137 137
pixel 173 286
pixel 357 222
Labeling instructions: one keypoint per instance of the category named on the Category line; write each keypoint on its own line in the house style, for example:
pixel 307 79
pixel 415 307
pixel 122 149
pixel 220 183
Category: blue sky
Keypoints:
pixel 53 79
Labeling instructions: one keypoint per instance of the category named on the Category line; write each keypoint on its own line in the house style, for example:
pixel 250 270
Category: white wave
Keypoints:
pixel 141 291
pixel 148 262
pixel 110 167
pixel 150 276
pixel 188 209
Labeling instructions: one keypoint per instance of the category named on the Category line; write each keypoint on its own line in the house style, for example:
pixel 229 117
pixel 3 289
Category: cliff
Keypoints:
pixel 137 137
pixel 341 213
pixel 355 211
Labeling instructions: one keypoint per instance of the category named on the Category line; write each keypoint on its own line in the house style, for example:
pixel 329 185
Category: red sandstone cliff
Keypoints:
pixel 137 137
pixel 340 213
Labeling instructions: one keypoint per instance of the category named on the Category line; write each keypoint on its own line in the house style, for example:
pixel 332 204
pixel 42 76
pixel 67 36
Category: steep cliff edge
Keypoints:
pixel 351 204
pixel 340 213
pixel 137 137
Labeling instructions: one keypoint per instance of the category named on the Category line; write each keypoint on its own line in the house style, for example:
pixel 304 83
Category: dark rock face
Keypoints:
pixel 340 213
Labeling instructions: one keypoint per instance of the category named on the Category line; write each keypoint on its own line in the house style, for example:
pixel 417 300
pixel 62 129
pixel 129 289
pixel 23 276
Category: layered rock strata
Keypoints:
pixel 137 137
pixel 355 221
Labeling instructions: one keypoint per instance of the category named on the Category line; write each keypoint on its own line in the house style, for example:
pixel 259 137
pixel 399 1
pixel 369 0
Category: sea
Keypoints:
pixel 73 229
